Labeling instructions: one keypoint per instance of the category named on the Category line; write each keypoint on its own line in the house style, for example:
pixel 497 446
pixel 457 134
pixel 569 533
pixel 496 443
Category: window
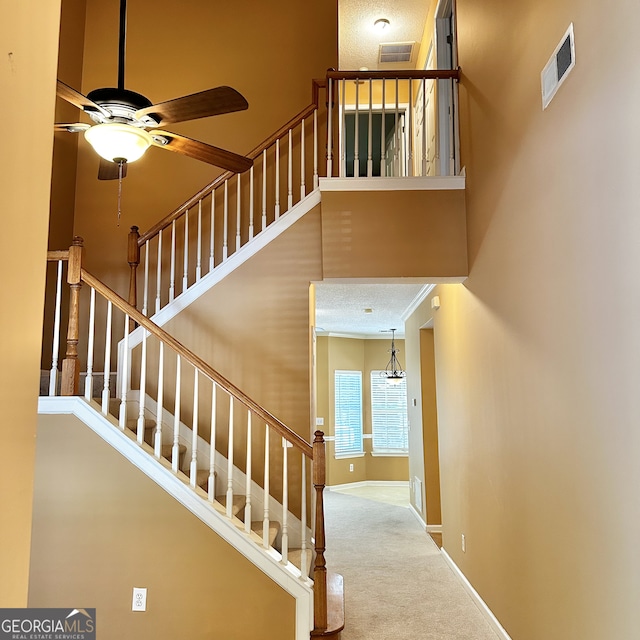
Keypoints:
pixel 389 415
pixel 348 413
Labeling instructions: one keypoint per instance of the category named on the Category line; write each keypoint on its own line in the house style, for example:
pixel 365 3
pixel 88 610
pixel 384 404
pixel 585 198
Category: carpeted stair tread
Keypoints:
pixel 202 479
pixel 167 451
pixel 295 557
pixel 274 530
pixel 238 504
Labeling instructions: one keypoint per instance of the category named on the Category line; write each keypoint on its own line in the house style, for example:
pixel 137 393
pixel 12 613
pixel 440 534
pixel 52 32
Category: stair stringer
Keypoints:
pixel 267 560
pixel 294 524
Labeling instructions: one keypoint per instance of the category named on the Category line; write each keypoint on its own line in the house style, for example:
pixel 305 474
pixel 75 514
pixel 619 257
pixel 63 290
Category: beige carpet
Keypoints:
pixel 397 585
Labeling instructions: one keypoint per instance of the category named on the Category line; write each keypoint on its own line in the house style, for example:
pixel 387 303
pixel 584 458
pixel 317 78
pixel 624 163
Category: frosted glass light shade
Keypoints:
pixel 114 141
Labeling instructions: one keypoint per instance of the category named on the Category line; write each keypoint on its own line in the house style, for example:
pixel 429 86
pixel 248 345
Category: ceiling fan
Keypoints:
pixel 126 122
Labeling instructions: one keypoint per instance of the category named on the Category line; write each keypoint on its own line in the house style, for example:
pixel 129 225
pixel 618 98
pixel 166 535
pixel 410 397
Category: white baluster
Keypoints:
pixel 343 144
pixel 225 223
pixel 247 504
pixel 212 262
pixel 157 440
pixel 396 158
pixel 303 519
pixel 329 130
pixel 230 462
pixel 238 210
pixel 265 515
pixel 264 189
pixel 303 191
pixel 356 140
pixel 251 197
pixel 143 387
pixel 124 375
pixel 172 279
pixel 185 257
pixel 211 485
pixel 285 501
pixel 199 249
pixel 424 127
pixel 88 381
pixel 315 149
pixel 277 204
pixel 370 134
pixel 107 361
pixel 290 173
pixel 145 293
pixel 383 135
pixel 53 377
pixel 175 452
pixel 159 272
pixel 410 169
pixel 193 470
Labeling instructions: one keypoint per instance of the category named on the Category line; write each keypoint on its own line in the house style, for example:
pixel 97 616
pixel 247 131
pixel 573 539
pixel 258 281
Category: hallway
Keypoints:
pixel 397 585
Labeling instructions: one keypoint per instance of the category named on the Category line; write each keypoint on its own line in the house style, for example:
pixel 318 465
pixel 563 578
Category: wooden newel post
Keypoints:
pixel 70 364
pixel 133 258
pixel 320 567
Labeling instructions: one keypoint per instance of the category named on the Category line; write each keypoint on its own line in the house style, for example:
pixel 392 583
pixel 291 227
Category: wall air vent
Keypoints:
pixel 558 67
pixel 396 52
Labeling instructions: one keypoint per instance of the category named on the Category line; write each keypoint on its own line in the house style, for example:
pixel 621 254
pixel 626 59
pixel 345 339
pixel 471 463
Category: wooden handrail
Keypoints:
pixel 200 364
pixel 54 256
pixel 426 74
pixel 253 154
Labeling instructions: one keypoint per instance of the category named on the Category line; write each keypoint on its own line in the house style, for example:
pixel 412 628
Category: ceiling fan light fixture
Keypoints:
pixel 116 142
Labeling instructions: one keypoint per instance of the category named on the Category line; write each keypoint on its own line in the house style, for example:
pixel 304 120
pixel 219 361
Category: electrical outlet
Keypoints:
pixel 350 467
pixel 464 544
pixel 139 599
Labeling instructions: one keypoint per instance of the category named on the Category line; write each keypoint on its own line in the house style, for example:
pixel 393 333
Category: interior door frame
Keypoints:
pixel 446 58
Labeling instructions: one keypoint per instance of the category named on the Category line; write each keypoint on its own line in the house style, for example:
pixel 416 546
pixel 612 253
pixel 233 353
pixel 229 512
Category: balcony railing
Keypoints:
pixel 406 127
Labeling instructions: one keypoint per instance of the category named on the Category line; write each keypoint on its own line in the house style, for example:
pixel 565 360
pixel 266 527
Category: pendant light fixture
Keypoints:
pixel 393 372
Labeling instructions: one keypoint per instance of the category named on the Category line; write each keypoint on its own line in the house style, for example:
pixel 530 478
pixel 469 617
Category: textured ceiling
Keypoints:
pixel 340 308
pixel 359 41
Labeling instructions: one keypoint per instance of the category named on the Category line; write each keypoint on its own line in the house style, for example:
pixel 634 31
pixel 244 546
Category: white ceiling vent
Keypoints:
pixel 558 67
pixel 396 52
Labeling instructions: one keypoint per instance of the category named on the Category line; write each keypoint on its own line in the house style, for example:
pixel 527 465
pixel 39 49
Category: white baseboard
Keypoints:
pixel 369 483
pixel 419 517
pixel 475 596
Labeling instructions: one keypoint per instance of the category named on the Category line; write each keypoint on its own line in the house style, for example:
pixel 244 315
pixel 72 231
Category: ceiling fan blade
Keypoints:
pixel 73 127
pixel 78 100
pixel 110 170
pixel 202 151
pixel 211 102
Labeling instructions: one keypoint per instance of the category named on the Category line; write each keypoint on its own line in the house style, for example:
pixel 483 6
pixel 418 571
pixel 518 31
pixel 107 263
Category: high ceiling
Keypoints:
pixel 340 308
pixel 359 41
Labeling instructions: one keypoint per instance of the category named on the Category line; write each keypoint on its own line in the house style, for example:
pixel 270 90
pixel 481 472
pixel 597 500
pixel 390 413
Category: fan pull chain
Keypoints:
pixel 120 171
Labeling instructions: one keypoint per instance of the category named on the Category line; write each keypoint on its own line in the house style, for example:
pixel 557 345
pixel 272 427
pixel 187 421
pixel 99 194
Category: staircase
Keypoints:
pixel 259 485
pixel 251 478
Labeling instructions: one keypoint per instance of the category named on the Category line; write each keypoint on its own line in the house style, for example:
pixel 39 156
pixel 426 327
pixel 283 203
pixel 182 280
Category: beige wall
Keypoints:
pixel 197 46
pixel 423 231
pixel 106 527
pixel 29 36
pixel 354 354
pixel 537 354
pixel 424 462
